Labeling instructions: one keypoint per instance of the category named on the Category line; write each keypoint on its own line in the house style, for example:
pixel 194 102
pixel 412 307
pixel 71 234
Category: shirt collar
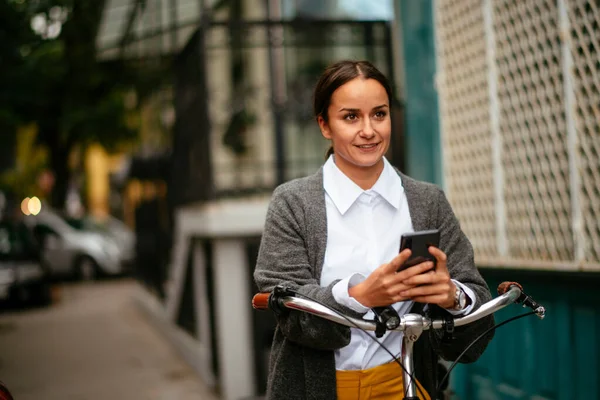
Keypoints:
pixel 344 192
pixel 389 185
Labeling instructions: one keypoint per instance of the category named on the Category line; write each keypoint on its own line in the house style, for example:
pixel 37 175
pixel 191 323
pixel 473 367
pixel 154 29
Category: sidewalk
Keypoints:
pixel 94 343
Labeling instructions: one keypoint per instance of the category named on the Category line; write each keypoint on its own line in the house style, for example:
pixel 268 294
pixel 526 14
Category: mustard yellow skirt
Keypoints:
pixel 378 383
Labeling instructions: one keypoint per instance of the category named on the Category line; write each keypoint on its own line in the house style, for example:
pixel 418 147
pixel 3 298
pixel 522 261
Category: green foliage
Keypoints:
pixel 31 159
pixel 58 84
pixel 16 39
pixel 235 134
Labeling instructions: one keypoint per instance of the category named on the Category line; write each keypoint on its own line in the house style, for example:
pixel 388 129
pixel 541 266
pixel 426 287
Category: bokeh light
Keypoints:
pixel 34 206
pixel 25 206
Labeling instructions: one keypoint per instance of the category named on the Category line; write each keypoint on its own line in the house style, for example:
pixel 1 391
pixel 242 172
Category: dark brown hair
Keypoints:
pixel 338 74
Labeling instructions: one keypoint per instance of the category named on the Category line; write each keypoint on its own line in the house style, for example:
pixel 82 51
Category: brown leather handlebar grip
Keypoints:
pixel 260 301
pixel 504 286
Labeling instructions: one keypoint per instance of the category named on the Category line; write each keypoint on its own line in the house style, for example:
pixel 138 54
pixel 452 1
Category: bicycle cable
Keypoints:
pixel 412 378
pixel 478 339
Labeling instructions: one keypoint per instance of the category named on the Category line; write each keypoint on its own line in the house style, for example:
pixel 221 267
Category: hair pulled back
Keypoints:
pixel 337 75
pixel 340 73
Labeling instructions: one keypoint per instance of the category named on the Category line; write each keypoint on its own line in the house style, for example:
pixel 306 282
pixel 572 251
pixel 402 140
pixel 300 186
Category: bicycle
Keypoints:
pixel 413 325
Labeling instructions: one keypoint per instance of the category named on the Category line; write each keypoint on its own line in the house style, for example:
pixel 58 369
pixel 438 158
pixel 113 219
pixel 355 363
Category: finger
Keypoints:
pixel 437 299
pixel 433 276
pixel 441 259
pixel 415 270
pixel 424 278
pixel 426 290
pixel 398 260
pixel 399 288
pixel 439 255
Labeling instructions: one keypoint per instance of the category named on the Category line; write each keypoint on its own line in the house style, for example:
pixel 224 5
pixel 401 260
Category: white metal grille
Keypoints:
pixel 584 17
pixel 533 130
pixel 519 90
pixel 465 116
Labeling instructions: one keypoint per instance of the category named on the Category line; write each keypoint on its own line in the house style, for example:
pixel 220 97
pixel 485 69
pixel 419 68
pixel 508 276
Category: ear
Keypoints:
pixel 324 126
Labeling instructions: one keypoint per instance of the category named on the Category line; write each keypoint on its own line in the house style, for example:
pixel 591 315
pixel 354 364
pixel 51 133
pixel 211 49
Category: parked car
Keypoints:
pixel 113 229
pixel 68 251
pixel 22 276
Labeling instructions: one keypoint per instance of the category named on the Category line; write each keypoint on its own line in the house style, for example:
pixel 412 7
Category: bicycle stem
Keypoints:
pixel 414 325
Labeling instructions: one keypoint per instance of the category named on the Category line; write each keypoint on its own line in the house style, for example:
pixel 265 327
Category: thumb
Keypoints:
pixel 398 260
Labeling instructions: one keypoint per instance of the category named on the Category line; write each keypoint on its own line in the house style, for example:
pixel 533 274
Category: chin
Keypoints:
pixel 368 163
pixel 364 161
pixel 369 160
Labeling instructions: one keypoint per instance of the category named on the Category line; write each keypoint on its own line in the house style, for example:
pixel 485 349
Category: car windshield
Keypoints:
pixel 75 223
pixel 94 225
pixel 87 224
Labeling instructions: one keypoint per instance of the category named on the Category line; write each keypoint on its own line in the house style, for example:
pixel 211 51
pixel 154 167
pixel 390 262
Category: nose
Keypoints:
pixel 367 130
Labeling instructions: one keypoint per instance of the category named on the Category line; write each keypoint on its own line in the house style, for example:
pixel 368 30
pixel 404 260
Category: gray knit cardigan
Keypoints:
pixel 292 251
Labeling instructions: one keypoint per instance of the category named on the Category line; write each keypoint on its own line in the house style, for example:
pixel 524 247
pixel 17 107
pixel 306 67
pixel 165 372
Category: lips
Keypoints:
pixel 367 146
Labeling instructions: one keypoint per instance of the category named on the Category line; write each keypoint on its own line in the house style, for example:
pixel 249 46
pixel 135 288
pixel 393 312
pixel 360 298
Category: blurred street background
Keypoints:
pixel 140 141
pixel 94 343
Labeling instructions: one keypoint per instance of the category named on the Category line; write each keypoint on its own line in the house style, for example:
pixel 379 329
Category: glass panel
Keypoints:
pixel 357 10
pixel 243 73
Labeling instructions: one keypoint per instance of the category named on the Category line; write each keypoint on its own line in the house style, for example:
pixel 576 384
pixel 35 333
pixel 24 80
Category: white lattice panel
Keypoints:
pixel 465 120
pixel 533 130
pixel 584 17
pixel 522 111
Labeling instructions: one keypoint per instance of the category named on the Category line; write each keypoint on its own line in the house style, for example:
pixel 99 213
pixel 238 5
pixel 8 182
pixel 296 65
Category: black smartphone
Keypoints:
pixel 418 243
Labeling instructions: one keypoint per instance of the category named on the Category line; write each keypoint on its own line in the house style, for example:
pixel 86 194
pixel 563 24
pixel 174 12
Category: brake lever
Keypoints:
pixel 274 299
pixel 386 318
pixel 524 298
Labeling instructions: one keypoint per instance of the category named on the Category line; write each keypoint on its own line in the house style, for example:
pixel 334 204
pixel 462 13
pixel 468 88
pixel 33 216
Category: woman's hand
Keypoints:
pixel 385 286
pixel 434 287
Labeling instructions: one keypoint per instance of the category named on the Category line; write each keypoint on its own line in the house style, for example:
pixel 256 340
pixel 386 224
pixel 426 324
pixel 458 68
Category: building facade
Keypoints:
pixel 517 87
pixel 500 106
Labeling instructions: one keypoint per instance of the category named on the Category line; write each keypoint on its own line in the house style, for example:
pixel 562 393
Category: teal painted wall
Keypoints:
pixel 422 145
pixel 556 358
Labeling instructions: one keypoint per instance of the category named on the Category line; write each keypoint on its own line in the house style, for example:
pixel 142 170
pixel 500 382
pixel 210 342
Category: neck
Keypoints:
pixel 364 177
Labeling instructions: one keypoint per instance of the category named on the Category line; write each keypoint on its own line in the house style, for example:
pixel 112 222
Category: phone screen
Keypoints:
pixel 418 243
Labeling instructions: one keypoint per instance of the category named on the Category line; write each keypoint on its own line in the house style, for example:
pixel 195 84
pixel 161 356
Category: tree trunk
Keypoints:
pixel 62 175
pixel 79 35
pixel 59 163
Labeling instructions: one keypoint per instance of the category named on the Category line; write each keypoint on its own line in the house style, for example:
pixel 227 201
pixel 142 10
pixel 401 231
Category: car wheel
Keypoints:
pixel 87 269
pixel 42 294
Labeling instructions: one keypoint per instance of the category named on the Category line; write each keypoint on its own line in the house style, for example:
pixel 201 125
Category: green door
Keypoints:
pixel 555 358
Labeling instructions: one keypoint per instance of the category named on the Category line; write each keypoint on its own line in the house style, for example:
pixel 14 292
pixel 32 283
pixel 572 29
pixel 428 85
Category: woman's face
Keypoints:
pixel 359 126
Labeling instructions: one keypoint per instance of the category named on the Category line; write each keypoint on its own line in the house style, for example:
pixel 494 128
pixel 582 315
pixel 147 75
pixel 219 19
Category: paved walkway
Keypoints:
pixel 94 343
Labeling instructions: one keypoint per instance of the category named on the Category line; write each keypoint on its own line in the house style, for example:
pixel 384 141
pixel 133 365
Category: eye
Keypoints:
pixel 380 114
pixel 351 117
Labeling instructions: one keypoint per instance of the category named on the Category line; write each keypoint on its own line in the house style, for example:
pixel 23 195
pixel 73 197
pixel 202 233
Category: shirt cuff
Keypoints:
pixel 341 295
pixel 470 294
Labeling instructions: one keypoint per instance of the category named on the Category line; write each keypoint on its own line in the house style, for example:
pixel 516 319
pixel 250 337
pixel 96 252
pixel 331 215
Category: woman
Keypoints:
pixel 335 236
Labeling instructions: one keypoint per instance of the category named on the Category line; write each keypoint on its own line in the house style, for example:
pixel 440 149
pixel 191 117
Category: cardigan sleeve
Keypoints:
pixel 283 260
pixel 461 266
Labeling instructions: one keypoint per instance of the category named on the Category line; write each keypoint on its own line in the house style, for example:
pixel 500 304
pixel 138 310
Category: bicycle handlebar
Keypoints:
pixel 509 292
pixel 412 325
pixel 260 301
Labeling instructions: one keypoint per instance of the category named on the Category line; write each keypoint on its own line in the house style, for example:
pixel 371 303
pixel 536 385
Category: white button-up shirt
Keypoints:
pixel 363 232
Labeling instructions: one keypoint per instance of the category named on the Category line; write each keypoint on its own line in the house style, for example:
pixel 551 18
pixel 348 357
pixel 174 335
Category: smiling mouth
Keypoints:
pixel 367 146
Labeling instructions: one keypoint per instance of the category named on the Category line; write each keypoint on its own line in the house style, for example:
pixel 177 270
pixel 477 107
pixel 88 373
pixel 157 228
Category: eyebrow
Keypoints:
pixel 357 109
